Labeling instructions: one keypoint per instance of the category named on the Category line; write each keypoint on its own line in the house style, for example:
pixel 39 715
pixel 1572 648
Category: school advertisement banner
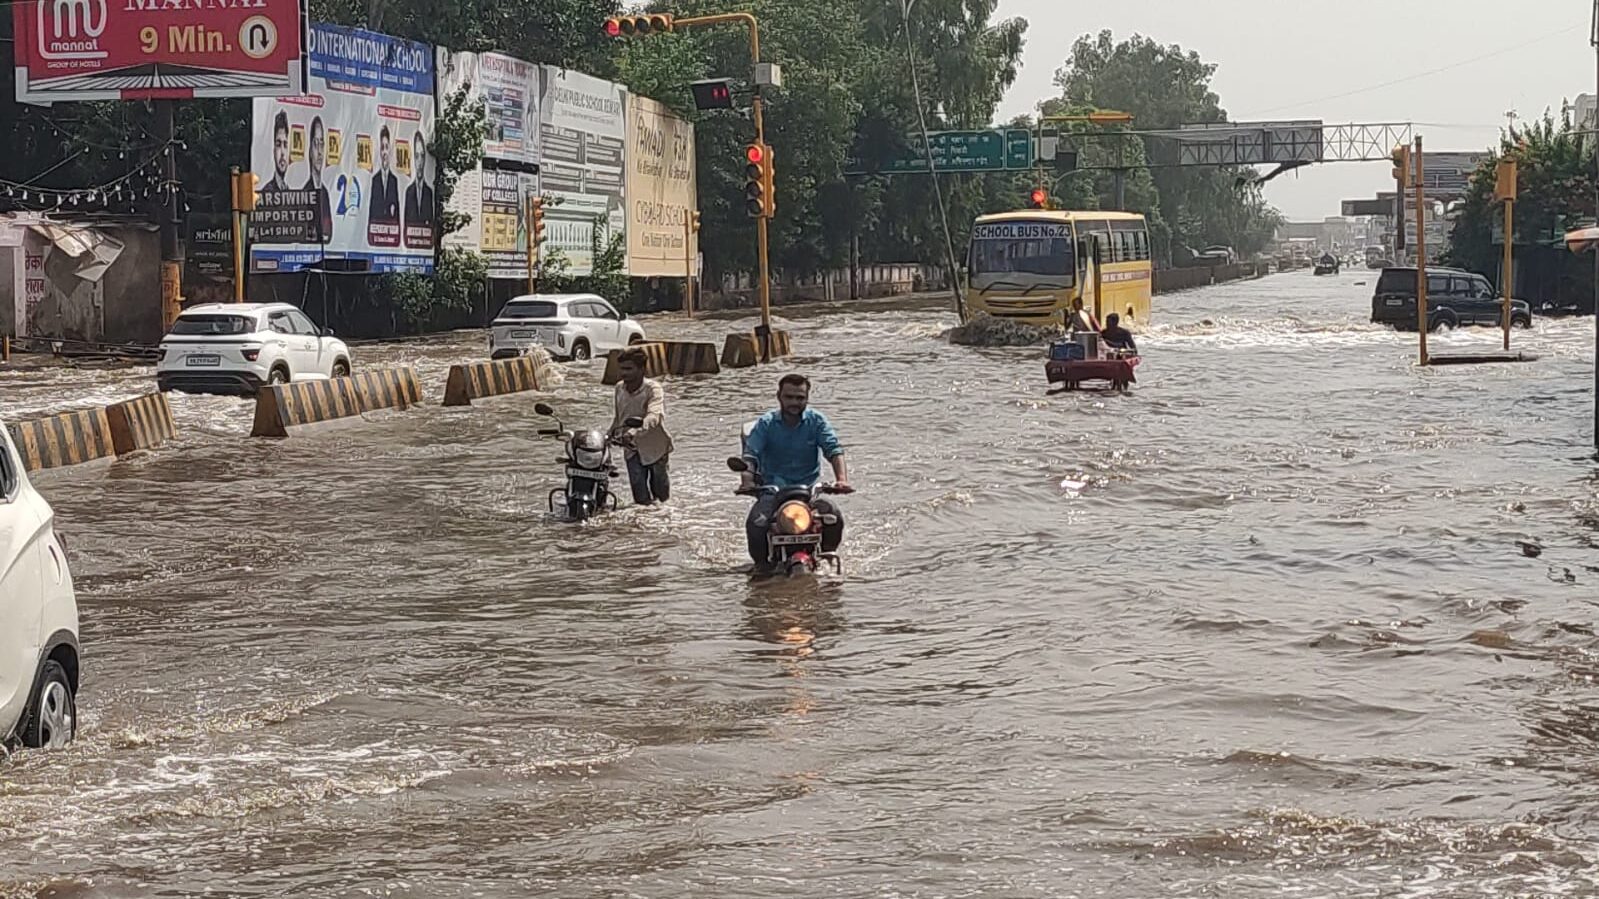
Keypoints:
pixel 584 135
pixel 660 191
pixel 344 171
pixel 494 196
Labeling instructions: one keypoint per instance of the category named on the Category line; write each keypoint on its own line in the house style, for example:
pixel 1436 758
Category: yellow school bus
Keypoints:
pixel 1030 265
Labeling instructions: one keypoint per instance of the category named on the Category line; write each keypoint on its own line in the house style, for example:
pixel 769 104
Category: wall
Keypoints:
pixel 132 287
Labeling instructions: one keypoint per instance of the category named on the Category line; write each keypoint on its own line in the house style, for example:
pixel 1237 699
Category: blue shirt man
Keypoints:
pixel 785 449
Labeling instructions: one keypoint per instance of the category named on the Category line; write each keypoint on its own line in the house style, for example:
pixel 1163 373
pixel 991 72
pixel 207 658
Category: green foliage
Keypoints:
pixel 457 148
pixel 1555 177
pixel 606 277
pixel 459 277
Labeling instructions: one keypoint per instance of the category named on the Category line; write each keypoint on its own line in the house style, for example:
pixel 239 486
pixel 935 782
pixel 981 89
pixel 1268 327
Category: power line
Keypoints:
pixel 1418 75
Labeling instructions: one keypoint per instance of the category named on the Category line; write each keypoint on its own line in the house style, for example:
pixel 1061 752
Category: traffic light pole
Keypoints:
pixel 761 223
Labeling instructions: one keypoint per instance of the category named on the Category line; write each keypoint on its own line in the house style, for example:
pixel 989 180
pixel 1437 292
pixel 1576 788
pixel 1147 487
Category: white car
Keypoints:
pixel 237 347
pixel 38 616
pixel 574 326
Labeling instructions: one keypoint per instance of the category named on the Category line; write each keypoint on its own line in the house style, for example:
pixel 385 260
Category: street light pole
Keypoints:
pixel 1594 40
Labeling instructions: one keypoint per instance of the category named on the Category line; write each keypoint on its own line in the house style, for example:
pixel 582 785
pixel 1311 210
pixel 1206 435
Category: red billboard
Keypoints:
pixel 157 49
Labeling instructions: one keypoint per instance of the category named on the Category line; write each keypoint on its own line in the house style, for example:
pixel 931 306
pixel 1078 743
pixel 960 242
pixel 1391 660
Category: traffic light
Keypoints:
pixel 628 26
pixel 1401 158
pixel 243 185
pixel 694 221
pixel 755 181
pixel 536 225
pixel 1038 199
pixel 713 93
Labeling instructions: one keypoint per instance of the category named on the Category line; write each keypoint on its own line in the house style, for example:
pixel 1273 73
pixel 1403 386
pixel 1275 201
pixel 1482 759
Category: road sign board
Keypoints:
pixel 992 150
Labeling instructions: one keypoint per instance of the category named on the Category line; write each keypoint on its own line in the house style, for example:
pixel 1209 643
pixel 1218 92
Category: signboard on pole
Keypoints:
pixel 494 195
pixel 344 170
pixel 661 191
pixel 994 150
pixel 584 135
pixel 156 49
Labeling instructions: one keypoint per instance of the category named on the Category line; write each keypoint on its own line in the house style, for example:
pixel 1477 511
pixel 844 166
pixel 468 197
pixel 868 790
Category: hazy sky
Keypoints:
pixel 1454 67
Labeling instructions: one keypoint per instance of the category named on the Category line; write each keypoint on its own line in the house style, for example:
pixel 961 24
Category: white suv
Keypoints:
pixel 575 326
pixel 38 616
pixel 237 347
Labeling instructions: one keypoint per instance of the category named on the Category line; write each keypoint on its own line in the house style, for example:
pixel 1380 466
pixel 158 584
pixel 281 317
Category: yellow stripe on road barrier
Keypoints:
pixel 301 403
pixel 685 357
pixel 654 362
pixel 141 423
pixel 744 350
pixel 57 441
pixel 477 380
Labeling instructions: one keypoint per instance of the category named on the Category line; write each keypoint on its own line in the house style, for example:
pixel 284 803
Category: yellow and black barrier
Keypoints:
pixel 57 441
pixel 744 350
pixel 141 423
pixel 685 357
pixel 280 407
pixel 654 362
pixel 477 380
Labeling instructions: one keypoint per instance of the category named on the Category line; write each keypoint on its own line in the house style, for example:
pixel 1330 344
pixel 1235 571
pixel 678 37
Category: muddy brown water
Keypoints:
pixel 1260 628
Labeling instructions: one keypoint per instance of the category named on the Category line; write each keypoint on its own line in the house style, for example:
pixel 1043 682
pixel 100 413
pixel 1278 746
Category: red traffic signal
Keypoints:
pixel 754 154
pixel 1038 198
pixel 613 27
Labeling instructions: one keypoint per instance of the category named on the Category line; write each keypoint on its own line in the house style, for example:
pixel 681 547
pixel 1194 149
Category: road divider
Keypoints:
pixel 654 362
pixel 686 357
pixel 299 404
pixel 744 350
pixel 68 438
pixel 477 380
pixel 142 423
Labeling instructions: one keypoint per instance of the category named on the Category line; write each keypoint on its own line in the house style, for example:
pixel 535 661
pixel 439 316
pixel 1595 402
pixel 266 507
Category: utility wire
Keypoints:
pixel 932 167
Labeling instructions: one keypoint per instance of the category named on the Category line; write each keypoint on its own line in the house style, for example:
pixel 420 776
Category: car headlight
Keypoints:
pixel 794 518
pixel 589 458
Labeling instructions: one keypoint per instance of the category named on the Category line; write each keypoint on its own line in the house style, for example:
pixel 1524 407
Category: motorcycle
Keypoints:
pixel 794 532
pixel 588 467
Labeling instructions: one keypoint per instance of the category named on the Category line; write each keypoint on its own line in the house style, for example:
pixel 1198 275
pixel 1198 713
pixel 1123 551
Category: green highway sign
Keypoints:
pixel 993 150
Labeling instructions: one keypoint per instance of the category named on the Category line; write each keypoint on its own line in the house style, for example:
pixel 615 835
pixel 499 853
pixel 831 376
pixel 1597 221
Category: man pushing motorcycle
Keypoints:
pixel 783 449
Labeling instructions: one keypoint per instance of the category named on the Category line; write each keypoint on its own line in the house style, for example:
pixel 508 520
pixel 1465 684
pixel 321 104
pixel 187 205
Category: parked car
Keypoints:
pixel 1454 298
pixel 571 326
pixel 38 616
pixel 237 347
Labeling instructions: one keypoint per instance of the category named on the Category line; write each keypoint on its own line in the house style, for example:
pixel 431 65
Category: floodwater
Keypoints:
pixel 1261 627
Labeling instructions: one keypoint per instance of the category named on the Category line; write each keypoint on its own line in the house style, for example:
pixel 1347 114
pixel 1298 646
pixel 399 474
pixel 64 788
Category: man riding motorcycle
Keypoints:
pixel 782 450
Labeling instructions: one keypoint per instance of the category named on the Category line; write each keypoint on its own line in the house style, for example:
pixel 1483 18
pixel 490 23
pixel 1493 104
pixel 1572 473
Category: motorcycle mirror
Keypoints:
pixel 633 423
pixel 736 463
pixel 543 409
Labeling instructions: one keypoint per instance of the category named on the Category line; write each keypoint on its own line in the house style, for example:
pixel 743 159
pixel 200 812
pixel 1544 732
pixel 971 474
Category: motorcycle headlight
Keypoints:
pixel 589 458
pixel 793 518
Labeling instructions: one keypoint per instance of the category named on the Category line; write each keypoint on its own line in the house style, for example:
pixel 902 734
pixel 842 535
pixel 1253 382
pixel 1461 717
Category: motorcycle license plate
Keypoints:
pixel 585 473
pixel 798 540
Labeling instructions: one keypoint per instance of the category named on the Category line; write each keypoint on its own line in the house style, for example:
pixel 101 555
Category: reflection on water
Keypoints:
pixel 1264 626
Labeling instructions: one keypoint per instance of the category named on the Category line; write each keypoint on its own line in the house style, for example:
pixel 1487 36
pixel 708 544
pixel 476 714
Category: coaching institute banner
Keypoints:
pixel 660 190
pixel 584 134
pixel 344 171
pixel 494 196
pixel 156 49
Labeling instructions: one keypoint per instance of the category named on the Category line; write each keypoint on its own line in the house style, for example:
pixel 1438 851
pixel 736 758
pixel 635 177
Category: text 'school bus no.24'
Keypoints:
pixel 1030 266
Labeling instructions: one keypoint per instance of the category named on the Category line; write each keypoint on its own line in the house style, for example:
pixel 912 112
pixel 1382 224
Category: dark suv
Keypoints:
pixel 1454 298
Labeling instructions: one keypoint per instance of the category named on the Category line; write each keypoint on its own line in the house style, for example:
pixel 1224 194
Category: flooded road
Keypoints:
pixel 1260 628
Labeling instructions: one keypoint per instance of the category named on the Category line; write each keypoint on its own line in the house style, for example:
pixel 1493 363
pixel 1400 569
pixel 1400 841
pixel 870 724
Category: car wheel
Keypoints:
pixel 581 352
pixel 1520 321
pixel 280 375
pixel 635 340
pixel 1443 322
pixel 341 369
pixel 51 719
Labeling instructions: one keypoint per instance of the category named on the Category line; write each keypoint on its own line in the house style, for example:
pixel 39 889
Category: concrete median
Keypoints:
pixel 141 423
pixel 281 408
pixel 685 357
pixel 59 441
pixel 654 362
pixel 477 380
pixel 744 350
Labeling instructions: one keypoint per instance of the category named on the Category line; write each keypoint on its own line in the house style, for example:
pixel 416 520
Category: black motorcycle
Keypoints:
pixel 794 532
pixel 588 468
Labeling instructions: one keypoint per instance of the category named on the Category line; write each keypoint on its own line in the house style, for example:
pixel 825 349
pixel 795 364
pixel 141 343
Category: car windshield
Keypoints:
pixel 529 309
pixel 212 325
pixel 1398 280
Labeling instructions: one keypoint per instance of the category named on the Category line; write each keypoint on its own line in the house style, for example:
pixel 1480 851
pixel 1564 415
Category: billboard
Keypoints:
pixel 494 196
pixel 660 190
pixel 344 171
pixel 156 49
pixel 584 137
